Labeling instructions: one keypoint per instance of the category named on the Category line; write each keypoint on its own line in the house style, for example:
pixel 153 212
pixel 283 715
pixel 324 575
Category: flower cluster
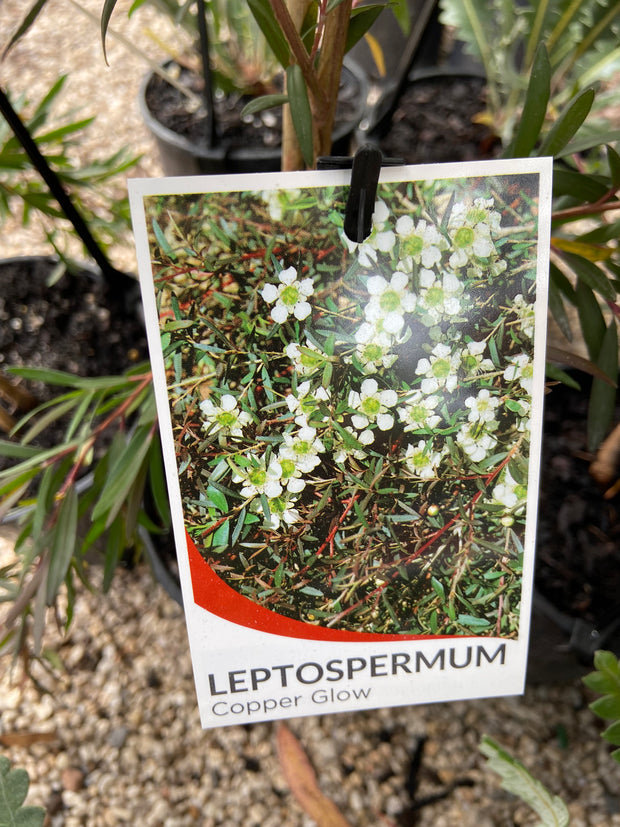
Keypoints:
pixel 358 396
pixel 414 277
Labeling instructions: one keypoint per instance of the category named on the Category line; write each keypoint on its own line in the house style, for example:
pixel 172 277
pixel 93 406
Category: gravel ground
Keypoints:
pixel 117 739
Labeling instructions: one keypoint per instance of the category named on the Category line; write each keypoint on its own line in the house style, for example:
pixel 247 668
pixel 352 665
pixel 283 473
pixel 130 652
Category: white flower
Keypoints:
pixel 509 492
pixel 278 201
pixel 374 348
pixel 440 370
pixel 470 231
pixel 225 417
pixel 290 296
pixel 365 437
pixel 291 476
pixel 372 405
pixel 307 402
pixel 522 369
pixel 280 511
pixel 389 301
pixel 260 479
pixel 421 460
pixel 418 412
pixel 421 244
pixel 472 361
pixel 525 314
pixel 475 441
pixel 306 358
pixel 439 296
pixel 482 407
pixel 381 238
pixel 303 448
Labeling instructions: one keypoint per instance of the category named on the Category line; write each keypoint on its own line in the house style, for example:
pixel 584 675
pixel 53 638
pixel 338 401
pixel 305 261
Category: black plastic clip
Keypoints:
pixel 366 166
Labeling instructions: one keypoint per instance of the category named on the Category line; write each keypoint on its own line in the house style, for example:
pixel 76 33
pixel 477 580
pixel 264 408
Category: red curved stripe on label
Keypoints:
pixel 214 595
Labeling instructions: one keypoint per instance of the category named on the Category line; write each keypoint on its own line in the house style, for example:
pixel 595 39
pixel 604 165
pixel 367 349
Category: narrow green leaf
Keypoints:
pixel 217 498
pixel 614 166
pixel 577 185
pixel 558 375
pixel 568 124
pixel 591 318
pixel 603 396
pixel 26 23
pixel 113 550
pixel 535 107
pixel 262 103
pixel 106 13
pixel 157 483
pixel 558 311
pixel 360 22
pixel 163 241
pixel 263 14
pixel 122 475
pixel 591 275
pixel 63 543
pixel 519 781
pixel 300 112
pixel 596 139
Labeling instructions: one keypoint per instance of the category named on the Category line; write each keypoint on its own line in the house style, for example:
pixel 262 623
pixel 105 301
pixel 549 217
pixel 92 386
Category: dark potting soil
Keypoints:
pixel 433 122
pixel 78 325
pixel 169 107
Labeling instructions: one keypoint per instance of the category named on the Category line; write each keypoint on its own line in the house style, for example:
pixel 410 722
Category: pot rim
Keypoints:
pixel 184 144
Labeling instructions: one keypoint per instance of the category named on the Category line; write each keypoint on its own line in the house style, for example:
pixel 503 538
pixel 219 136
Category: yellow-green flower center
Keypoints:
pixel 434 297
pixel 413 245
pixel 290 295
pixel 389 301
pixel 372 353
pixel 441 368
pixel 257 477
pixel 288 468
pixel 226 419
pixel 464 237
pixel 371 406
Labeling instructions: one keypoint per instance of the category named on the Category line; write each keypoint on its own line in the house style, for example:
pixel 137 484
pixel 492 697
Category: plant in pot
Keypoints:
pixel 569 53
pixel 230 52
pixel 126 471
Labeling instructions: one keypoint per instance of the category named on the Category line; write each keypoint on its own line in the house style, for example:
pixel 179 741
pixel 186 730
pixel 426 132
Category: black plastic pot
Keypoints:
pixel 183 156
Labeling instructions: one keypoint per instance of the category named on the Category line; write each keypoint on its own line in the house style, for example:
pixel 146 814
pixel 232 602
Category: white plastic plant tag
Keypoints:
pixel 351 432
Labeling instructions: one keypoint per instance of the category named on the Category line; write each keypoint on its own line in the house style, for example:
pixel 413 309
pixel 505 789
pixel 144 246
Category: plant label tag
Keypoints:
pixel 351 430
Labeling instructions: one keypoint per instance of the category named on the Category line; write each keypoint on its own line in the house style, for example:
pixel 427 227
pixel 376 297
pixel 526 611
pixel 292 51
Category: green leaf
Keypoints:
pixel 360 22
pixel 535 107
pixel 591 318
pixel 614 166
pixel 603 396
pixel 262 103
pixel 26 23
pixel 263 14
pixel 567 125
pixel 558 311
pixel 577 185
pixel 122 475
pixel 592 275
pixel 217 498
pixel 300 112
pixel 63 544
pixel 13 790
pixel 106 13
pixel 519 781
pixel 607 707
pixel 612 734
pixel 163 241
pixel 595 140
